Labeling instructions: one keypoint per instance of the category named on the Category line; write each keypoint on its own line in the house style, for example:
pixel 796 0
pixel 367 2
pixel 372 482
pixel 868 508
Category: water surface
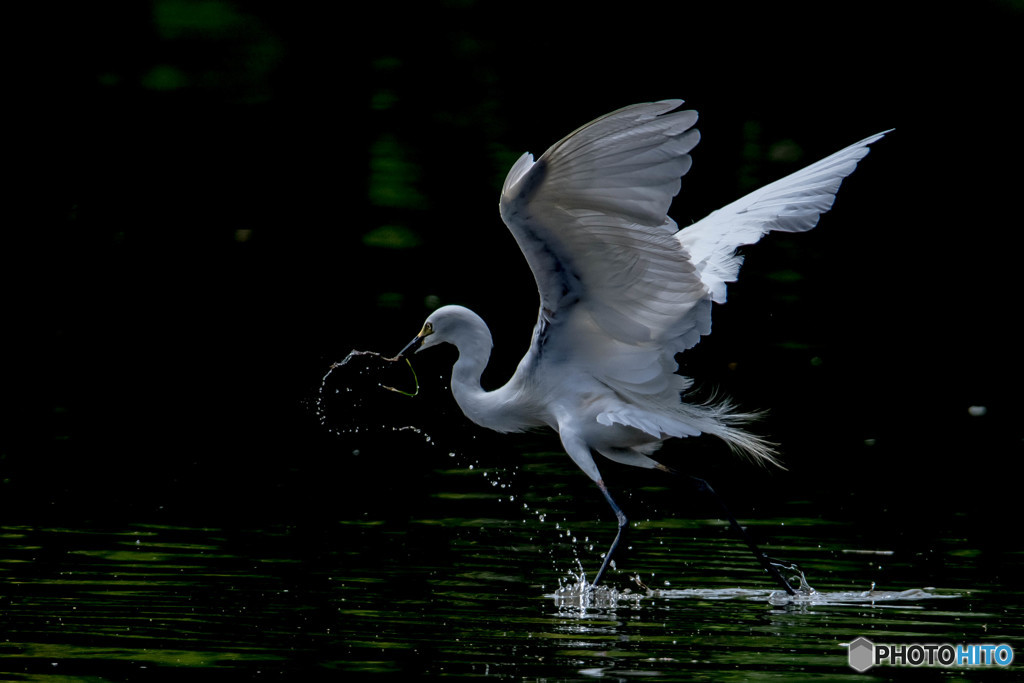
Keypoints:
pixel 466 585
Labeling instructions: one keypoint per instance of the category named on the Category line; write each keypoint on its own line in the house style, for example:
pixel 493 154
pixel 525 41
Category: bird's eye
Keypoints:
pixel 428 328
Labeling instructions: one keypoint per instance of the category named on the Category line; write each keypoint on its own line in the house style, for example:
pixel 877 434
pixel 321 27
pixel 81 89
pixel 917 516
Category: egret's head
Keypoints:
pixel 453 324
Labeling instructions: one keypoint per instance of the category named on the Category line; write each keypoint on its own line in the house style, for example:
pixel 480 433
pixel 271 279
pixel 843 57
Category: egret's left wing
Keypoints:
pixel 590 217
pixel 791 204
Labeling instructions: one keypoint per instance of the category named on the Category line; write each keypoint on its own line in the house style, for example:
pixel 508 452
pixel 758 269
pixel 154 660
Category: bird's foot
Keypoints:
pixel 795 576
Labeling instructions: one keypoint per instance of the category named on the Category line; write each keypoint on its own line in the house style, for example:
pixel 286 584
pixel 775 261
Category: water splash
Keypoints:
pixel 873 597
pixel 580 598
pixel 355 389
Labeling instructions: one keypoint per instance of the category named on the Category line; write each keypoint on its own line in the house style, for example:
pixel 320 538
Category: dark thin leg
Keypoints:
pixel 768 564
pixel 618 534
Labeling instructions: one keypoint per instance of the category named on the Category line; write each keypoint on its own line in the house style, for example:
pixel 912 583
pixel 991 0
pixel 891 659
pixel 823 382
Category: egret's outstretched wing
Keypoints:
pixel 616 287
pixel 622 290
pixel 792 204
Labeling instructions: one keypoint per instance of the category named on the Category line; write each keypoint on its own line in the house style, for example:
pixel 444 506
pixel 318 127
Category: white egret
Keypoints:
pixel 622 291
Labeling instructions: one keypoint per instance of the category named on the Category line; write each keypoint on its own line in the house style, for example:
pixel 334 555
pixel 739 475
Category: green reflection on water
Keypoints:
pixel 452 595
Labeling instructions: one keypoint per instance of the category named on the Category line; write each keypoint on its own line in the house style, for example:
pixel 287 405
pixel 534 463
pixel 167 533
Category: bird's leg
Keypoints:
pixel 768 564
pixel 623 522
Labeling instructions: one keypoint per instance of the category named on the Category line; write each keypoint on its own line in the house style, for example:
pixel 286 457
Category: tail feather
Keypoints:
pixel 719 417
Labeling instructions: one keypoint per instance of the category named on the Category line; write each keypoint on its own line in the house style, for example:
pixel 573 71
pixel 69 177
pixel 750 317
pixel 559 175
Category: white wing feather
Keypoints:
pixel 590 217
pixel 792 204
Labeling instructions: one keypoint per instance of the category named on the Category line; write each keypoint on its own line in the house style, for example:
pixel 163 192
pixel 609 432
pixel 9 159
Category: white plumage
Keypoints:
pixel 622 289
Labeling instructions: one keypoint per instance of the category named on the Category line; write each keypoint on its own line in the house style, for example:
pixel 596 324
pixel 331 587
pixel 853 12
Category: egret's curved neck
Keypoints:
pixel 474 344
pixel 492 409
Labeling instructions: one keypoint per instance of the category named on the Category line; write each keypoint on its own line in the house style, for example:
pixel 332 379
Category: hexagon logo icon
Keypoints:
pixel 862 654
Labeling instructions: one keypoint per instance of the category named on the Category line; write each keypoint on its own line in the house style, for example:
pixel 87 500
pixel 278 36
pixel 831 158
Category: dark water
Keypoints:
pixel 465 586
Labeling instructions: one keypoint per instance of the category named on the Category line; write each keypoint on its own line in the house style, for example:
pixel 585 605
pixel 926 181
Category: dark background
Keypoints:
pixel 220 199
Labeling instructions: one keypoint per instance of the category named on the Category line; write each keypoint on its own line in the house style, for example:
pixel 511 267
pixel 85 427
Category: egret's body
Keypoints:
pixel 622 289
